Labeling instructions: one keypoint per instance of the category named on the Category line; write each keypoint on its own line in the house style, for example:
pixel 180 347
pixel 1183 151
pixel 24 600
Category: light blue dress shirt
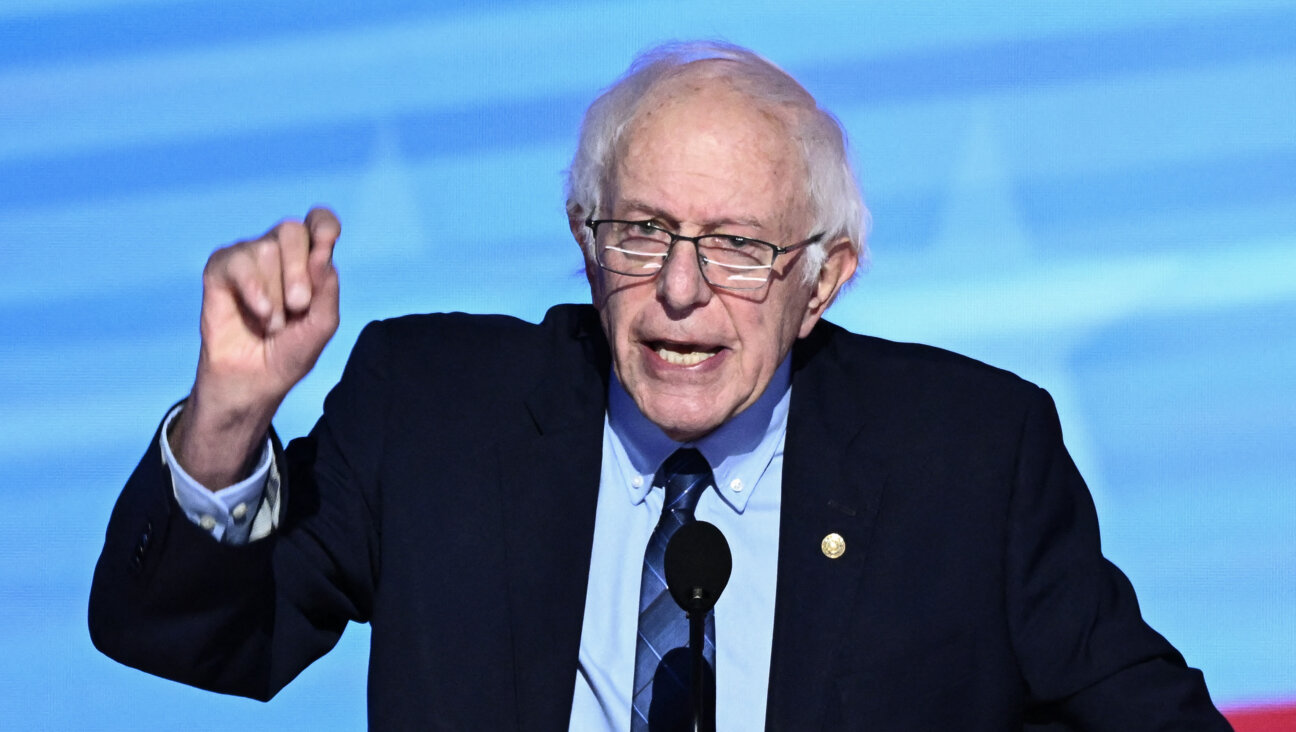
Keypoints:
pixel 746 456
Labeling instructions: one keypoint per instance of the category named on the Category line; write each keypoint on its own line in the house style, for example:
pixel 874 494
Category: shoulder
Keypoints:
pixel 459 336
pixel 468 328
pixel 451 352
pixel 909 381
pixel 854 356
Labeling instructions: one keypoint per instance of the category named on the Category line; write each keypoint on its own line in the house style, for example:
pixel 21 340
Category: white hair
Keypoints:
pixel 831 189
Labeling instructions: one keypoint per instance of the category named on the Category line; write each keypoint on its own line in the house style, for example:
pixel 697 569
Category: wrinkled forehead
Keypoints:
pixel 765 83
pixel 713 89
pixel 692 117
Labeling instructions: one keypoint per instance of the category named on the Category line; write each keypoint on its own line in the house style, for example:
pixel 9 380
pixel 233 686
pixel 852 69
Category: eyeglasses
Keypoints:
pixel 640 249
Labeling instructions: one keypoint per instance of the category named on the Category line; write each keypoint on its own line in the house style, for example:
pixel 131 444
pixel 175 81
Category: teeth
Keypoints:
pixel 691 358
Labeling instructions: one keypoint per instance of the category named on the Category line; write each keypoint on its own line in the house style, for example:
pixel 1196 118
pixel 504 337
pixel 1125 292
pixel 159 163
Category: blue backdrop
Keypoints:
pixel 1098 196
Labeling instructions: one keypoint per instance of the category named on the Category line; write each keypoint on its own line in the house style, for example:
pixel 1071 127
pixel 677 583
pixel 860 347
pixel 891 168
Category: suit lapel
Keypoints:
pixel 829 487
pixel 550 470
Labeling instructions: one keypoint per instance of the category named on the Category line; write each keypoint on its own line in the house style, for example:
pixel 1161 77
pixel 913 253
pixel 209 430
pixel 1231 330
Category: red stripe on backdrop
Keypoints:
pixel 1276 718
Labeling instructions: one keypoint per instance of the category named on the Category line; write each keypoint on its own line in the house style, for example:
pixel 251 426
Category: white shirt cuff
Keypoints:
pixel 236 514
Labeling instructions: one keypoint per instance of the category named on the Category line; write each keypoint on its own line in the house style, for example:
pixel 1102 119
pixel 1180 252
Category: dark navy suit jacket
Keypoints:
pixel 447 497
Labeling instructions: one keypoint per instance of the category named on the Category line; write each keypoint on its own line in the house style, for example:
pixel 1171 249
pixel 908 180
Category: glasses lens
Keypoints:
pixel 632 249
pixel 735 262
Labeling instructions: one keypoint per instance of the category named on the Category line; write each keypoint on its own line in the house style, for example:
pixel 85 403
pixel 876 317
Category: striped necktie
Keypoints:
pixel 662 663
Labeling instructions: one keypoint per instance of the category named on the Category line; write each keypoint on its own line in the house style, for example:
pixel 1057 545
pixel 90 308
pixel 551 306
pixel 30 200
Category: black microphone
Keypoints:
pixel 697 564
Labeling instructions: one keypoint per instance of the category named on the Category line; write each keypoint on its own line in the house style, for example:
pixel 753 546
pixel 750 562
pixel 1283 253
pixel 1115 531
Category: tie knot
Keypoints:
pixel 684 476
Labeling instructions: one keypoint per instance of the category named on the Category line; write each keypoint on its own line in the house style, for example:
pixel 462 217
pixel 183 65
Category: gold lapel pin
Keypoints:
pixel 833 545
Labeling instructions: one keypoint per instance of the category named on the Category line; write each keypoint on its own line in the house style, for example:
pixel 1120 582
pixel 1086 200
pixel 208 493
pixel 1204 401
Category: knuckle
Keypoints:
pixel 282 226
pixel 263 250
pixel 213 265
pixel 290 228
pixel 222 262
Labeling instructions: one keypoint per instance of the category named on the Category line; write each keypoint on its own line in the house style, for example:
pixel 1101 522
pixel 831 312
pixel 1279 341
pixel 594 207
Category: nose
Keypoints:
pixel 680 284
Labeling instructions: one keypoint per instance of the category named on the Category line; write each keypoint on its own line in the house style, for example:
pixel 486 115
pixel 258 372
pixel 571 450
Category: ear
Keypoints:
pixel 837 269
pixel 581 233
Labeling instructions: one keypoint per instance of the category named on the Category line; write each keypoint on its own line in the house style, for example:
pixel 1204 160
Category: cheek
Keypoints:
pixel 771 328
pixel 597 283
pixel 760 335
pixel 616 314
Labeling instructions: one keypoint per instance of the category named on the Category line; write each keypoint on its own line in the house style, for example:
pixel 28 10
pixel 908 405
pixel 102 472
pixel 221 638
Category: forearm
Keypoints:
pixel 218 448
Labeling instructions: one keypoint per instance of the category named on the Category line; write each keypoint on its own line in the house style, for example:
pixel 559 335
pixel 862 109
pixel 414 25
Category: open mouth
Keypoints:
pixel 682 354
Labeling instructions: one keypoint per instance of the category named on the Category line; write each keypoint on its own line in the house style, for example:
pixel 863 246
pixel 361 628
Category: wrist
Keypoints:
pixel 218 447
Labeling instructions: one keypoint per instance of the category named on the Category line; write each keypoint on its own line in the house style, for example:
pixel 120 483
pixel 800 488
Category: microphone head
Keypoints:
pixel 697 564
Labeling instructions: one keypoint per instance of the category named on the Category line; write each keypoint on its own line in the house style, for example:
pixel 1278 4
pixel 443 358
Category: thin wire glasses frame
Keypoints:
pixel 640 249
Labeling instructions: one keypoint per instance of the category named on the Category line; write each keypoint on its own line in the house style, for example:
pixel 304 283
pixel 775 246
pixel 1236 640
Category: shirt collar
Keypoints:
pixel 739 451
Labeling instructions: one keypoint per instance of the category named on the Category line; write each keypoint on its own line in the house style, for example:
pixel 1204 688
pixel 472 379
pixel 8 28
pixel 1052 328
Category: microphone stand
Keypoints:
pixel 703 710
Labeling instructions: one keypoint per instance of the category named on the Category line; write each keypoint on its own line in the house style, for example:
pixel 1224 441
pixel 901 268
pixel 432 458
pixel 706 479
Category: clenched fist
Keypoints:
pixel 269 307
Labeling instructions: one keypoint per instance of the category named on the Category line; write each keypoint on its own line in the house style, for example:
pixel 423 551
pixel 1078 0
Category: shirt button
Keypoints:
pixel 207 523
pixel 736 485
pixel 637 481
pixel 239 512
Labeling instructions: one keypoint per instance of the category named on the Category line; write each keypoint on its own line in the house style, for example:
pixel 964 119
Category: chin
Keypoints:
pixel 681 426
pixel 687 433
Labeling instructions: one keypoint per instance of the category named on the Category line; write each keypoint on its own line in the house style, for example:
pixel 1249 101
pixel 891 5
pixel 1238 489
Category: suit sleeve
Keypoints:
pixel 1086 655
pixel 168 599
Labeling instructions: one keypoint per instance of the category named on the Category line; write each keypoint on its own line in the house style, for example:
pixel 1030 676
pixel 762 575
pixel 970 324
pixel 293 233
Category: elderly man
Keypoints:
pixel 912 546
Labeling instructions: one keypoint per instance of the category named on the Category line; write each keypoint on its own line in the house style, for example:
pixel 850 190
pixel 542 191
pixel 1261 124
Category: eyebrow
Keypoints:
pixel 657 213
